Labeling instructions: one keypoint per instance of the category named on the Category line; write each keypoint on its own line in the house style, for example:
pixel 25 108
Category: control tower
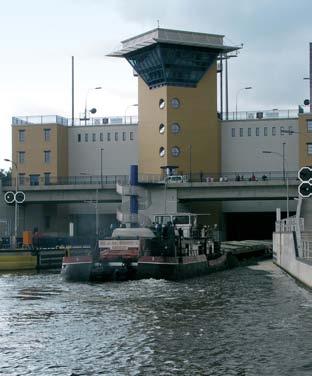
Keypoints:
pixel 179 128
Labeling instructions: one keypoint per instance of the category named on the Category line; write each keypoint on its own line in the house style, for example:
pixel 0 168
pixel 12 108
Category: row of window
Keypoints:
pixel 282 131
pixel 85 136
pixel 46 156
pixel 46 134
pixel 175 151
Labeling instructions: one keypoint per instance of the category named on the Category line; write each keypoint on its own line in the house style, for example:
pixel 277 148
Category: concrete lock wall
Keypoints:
pixel 284 256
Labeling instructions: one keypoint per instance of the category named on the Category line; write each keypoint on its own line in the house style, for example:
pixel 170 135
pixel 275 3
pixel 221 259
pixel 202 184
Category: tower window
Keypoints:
pixel 162 103
pixel 131 136
pixel 175 103
pixel 241 132
pixel 175 151
pixel 265 131
pixel 273 131
pixel 233 132
pixel 79 137
pixel 162 128
pixel 249 132
pixel 162 151
pixel 175 128
pixel 257 131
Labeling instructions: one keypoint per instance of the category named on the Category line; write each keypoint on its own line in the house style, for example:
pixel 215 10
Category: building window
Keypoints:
pixel 101 137
pixel 116 136
pixel 131 136
pixel 249 132
pixel 21 157
pixel 162 151
pixel 265 131
pixel 47 178
pixel 79 137
pixel 309 149
pixel 273 131
pixel 108 136
pixel 47 156
pixel 233 132
pixel 162 128
pixel 290 130
pixel 309 125
pixel 34 179
pixel 93 137
pixel 21 135
pixel 241 132
pixel 257 131
pixel 47 134
pixel 21 179
pixel 282 131
pixel 123 136
pixel 175 151
pixel 86 137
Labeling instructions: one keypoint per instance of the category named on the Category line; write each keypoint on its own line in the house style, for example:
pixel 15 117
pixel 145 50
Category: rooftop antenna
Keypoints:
pixel 157 24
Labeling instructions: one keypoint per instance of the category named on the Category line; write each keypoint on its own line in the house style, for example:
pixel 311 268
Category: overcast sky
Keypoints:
pixel 39 37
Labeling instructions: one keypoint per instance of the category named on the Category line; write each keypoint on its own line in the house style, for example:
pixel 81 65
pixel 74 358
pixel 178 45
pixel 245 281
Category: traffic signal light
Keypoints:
pixel 305 187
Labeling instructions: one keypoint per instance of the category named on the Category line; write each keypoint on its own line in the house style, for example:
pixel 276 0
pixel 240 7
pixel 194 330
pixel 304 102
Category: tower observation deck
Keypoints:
pixel 172 57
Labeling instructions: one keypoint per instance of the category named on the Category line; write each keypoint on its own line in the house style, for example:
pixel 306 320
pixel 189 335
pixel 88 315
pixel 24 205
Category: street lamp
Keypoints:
pixel 285 176
pixel 130 105
pixel 86 102
pixel 96 202
pixel 15 207
pixel 243 88
pixel 102 167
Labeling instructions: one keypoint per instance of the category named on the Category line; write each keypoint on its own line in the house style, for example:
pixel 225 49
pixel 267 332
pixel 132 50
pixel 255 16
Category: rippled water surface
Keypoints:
pixel 247 321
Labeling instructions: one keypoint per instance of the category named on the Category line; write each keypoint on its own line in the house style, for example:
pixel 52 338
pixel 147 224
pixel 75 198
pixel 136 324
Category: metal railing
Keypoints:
pixel 67 180
pixel 194 177
pixel 259 115
pixel 289 225
pixel 306 244
pixel 90 121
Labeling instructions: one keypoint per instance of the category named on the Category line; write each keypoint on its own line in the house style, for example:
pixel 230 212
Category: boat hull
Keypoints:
pixel 77 269
pixel 177 268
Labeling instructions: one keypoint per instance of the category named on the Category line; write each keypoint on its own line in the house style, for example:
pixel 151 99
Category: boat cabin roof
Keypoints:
pixel 133 233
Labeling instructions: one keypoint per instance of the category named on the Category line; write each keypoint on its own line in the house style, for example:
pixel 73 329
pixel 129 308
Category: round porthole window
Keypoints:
pixel 162 151
pixel 161 104
pixel 162 128
pixel 175 103
pixel 175 151
pixel 175 128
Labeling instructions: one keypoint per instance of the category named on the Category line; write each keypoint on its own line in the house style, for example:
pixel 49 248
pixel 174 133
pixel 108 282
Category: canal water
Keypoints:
pixel 247 321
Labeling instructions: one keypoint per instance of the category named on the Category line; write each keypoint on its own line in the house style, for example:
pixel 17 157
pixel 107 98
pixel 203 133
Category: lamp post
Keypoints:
pixel 130 105
pixel 243 88
pixel 285 176
pixel 96 202
pixel 86 102
pixel 15 207
pixel 102 167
